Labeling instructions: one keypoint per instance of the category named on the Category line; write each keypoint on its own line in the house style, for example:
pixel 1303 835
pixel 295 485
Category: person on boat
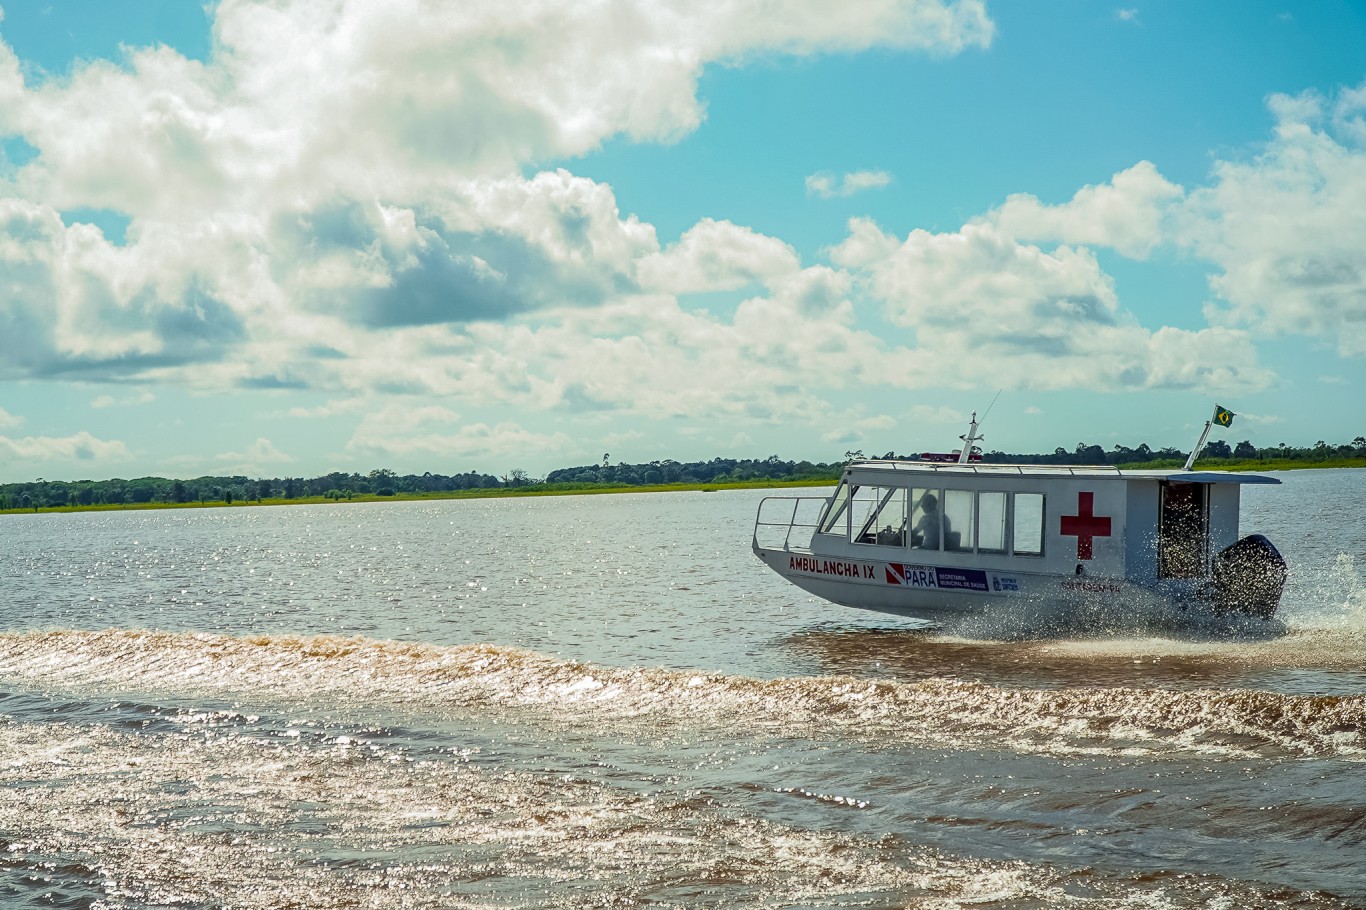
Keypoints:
pixel 928 529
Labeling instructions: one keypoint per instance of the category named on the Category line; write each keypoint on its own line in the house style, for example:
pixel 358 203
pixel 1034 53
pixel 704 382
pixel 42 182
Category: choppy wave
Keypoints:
pixel 116 820
pixel 487 679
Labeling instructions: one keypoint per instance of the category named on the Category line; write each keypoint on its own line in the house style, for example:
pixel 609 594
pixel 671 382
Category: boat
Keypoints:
pixel 1039 547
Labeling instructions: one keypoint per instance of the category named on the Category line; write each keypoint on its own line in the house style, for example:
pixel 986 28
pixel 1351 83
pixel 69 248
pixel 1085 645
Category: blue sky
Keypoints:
pixel 285 238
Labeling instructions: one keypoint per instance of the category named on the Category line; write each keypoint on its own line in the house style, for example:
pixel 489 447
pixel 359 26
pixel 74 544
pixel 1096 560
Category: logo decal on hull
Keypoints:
pixel 911 576
pixel 940 577
pixel 1004 583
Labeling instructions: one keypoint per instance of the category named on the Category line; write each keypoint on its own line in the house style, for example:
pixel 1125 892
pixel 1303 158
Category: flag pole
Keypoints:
pixel 1199 446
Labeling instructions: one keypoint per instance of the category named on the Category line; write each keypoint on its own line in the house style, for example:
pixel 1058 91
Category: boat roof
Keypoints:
pixel 983 469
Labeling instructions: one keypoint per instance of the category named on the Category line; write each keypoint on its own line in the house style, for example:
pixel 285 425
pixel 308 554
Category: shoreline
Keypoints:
pixel 605 489
pixel 493 493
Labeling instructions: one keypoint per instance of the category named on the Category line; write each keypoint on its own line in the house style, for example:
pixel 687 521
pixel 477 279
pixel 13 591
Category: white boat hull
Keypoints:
pixel 1002 603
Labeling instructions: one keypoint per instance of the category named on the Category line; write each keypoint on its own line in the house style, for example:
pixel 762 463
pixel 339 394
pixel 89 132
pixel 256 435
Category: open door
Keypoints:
pixel 1183 530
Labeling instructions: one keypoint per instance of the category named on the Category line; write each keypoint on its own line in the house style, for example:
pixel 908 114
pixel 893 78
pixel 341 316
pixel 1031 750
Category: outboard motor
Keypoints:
pixel 1249 577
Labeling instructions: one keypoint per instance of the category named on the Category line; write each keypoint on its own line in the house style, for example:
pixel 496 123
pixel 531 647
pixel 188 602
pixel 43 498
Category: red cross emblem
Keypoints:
pixel 1085 525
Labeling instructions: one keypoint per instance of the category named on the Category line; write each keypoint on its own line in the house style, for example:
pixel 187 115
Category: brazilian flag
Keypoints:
pixel 1223 416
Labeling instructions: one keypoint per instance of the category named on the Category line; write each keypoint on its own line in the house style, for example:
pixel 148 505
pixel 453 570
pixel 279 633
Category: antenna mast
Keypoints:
pixel 971 437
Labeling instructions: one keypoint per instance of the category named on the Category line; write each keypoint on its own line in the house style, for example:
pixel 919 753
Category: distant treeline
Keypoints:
pixel 718 470
pixel 380 482
pixel 1244 451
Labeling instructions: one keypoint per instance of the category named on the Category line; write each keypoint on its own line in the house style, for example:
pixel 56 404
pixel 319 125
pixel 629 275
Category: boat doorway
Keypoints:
pixel 1183 530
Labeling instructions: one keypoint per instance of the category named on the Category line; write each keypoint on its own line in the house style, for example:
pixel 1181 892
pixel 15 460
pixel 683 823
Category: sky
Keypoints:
pixel 289 237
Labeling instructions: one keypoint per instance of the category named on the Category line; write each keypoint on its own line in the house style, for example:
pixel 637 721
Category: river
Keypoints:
pixel 607 701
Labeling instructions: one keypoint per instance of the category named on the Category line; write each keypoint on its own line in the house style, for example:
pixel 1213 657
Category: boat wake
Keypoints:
pixel 1119 619
pixel 494 683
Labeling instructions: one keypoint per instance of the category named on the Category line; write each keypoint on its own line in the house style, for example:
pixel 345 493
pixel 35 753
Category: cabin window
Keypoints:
pixel 991 522
pixel 926 518
pixel 882 511
pixel 936 519
pixel 836 518
pixel 862 512
pixel 958 519
pixel 1027 528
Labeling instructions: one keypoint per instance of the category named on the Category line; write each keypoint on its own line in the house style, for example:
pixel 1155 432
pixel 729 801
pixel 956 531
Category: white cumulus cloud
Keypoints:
pixel 985 307
pixel 110 401
pixel 717 256
pixel 1285 229
pixel 438 432
pixel 831 186
pixel 77 447
pixel 256 460
pixel 1127 214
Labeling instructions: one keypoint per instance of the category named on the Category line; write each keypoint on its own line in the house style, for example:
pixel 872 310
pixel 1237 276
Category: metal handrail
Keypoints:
pixel 986 469
pixel 790 522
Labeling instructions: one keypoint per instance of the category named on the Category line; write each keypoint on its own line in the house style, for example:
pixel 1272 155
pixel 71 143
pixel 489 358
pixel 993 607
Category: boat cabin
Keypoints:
pixel 1139 525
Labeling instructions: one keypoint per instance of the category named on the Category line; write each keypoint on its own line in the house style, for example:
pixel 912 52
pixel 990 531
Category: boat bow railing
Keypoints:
pixel 787 522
